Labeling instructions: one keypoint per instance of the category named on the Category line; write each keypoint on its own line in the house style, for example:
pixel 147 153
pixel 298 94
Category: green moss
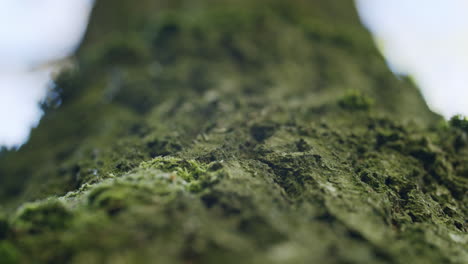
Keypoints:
pixel 189 170
pixel 41 217
pixel 121 49
pixel 238 132
pixel 196 174
pixel 8 253
pixel 460 122
pixel 4 226
pixel 355 100
pixel 117 197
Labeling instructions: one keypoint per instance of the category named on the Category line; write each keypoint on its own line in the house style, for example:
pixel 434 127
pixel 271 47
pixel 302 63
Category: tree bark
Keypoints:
pixel 234 132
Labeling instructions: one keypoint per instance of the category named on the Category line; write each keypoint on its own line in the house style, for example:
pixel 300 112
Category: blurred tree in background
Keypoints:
pixel 222 131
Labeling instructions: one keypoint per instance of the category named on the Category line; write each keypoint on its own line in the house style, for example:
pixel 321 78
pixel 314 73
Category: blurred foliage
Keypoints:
pixel 460 122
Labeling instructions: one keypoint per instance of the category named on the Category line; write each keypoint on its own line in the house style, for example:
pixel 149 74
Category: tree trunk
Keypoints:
pixel 234 131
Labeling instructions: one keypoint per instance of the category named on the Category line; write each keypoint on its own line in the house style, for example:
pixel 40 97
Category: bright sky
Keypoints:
pixel 427 39
pixel 33 32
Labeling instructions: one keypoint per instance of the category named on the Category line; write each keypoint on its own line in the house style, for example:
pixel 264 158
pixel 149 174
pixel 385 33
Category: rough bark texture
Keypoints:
pixel 235 131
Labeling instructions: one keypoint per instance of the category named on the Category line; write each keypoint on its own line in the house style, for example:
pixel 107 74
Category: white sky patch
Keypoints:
pixel 32 33
pixel 36 31
pixel 427 39
pixel 20 94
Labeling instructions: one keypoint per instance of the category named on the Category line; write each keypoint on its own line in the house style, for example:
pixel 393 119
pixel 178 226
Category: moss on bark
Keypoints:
pixel 235 132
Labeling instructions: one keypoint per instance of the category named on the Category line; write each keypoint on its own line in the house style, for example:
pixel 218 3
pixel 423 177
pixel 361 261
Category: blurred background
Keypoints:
pixel 425 39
